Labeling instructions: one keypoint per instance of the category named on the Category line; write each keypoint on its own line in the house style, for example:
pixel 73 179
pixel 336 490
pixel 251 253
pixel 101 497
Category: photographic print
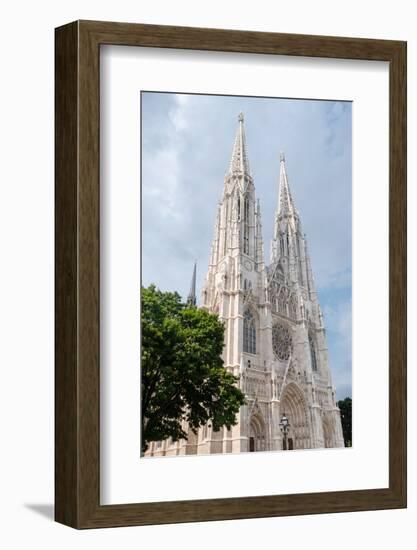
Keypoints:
pixel 206 205
pixel 246 264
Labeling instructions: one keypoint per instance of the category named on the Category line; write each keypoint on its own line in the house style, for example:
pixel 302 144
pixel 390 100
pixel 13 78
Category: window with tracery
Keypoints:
pixel 292 307
pixel 246 227
pixel 312 353
pixel 281 342
pixel 282 302
pixel 281 245
pixel 249 333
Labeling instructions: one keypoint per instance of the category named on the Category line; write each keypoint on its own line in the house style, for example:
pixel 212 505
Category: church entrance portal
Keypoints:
pixel 257 434
pixel 294 405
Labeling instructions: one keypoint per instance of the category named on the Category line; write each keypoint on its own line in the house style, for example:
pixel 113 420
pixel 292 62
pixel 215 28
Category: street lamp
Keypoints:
pixel 285 428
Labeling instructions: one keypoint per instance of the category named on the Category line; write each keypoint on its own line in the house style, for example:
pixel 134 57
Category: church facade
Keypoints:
pixel 275 338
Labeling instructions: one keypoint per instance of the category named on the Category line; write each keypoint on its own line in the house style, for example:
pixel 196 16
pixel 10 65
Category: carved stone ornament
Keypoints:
pixel 281 342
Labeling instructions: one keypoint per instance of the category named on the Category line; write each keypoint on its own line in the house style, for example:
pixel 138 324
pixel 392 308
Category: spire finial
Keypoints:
pixel 281 156
pixel 192 299
pixel 241 117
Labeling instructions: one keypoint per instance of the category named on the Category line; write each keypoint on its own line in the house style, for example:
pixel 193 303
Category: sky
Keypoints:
pixel 187 142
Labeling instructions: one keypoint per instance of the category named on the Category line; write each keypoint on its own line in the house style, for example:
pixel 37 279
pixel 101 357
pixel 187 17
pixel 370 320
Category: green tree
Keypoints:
pixel 345 407
pixel 183 377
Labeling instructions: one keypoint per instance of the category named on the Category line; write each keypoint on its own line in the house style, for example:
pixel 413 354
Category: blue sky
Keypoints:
pixel 187 142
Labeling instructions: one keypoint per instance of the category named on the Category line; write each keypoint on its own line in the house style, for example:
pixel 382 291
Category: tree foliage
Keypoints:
pixel 345 407
pixel 182 372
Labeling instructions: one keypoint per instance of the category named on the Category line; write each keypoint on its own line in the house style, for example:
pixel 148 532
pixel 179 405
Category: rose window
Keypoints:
pixel 281 342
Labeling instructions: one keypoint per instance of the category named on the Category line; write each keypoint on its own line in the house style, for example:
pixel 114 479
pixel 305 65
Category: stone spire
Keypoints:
pixel 192 299
pixel 286 205
pixel 287 220
pixel 237 246
pixel 239 162
pixel 235 228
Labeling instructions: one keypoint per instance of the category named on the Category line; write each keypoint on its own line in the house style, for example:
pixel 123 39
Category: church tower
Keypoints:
pixel 301 378
pixel 275 339
pixel 236 282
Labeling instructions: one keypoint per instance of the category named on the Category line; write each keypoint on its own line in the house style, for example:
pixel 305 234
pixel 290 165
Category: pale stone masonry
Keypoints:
pixel 275 339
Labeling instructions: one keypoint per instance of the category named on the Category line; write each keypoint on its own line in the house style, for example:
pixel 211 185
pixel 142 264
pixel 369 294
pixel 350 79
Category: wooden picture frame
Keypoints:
pixel 77 373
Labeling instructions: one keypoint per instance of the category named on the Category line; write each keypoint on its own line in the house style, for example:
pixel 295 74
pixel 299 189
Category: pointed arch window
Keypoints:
pixel 280 273
pixel 249 333
pixel 300 267
pixel 281 245
pixel 292 306
pixel 312 352
pixel 282 302
pixel 246 227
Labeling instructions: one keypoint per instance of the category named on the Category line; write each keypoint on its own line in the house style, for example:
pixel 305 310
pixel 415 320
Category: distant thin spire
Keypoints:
pixel 239 161
pixel 192 298
pixel 286 205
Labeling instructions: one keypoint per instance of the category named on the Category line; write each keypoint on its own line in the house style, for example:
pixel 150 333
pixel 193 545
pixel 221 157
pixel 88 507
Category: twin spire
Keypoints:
pixel 239 162
pixel 286 210
pixel 238 227
pixel 286 205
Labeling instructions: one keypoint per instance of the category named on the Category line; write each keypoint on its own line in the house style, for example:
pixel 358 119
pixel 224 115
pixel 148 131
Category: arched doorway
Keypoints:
pixel 257 434
pixel 293 404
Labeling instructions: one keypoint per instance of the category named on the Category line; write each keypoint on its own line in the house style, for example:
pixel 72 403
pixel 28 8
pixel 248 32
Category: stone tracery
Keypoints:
pixel 281 342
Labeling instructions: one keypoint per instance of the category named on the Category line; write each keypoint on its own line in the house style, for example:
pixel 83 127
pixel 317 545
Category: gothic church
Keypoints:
pixel 275 339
